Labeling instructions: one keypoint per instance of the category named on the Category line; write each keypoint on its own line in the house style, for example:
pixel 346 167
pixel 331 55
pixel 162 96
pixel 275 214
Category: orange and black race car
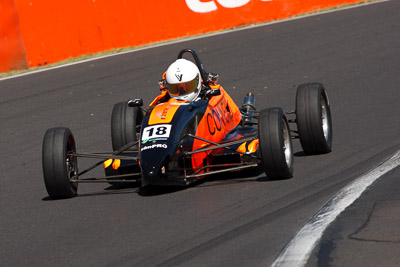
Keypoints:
pixel 176 142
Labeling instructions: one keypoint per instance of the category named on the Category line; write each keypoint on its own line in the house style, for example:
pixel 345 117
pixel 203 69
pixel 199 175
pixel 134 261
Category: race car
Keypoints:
pixel 191 130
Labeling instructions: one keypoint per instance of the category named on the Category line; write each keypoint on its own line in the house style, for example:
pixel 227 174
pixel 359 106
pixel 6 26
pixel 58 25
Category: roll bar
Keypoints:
pixel 200 65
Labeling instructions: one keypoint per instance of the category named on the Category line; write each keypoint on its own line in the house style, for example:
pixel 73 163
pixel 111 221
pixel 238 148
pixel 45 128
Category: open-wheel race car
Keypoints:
pixel 179 139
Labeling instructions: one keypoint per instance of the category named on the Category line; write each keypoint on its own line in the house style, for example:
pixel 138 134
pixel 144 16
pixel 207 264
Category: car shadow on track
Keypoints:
pixel 121 190
pixel 300 154
pixel 237 177
pixel 213 180
pixel 245 176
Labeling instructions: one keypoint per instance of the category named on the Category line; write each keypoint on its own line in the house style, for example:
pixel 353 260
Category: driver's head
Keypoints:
pixel 183 80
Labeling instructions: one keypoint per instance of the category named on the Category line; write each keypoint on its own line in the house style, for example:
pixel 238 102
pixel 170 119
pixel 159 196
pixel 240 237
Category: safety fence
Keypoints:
pixel 38 32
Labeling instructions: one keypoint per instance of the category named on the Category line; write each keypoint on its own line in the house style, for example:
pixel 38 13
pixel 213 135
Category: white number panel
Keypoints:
pixel 156 131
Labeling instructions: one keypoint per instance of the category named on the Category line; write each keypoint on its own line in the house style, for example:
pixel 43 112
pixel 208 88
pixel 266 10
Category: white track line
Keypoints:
pixel 184 39
pixel 301 246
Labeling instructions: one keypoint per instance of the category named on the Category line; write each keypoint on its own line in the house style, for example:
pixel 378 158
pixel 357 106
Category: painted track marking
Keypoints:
pixel 301 246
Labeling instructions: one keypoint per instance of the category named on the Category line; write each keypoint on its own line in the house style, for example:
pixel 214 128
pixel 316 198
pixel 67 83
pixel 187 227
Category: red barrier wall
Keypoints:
pixel 12 52
pixel 56 30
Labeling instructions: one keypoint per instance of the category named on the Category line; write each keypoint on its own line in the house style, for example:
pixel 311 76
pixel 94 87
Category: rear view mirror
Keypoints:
pixel 138 102
pixel 212 78
pixel 213 92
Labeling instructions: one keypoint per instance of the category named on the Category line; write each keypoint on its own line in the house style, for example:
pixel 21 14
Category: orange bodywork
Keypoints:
pixel 253 146
pixel 163 93
pixel 221 116
pixel 164 112
pixel 242 148
pixel 249 148
pixel 115 163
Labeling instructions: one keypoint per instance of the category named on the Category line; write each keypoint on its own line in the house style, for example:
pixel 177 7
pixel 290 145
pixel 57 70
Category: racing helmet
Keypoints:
pixel 183 80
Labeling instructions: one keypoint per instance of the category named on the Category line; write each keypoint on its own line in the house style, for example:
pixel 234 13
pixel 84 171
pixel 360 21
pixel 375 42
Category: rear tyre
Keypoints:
pixel 125 128
pixel 125 123
pixel 58 163
pixel 313 118
pixel 275 144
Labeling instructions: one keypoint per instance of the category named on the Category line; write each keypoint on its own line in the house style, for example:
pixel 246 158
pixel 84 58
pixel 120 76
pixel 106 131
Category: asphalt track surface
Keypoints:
pixel 228 220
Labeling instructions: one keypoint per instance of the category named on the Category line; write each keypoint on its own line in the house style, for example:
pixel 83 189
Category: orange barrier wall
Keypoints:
pixel 12 52
pixel 56 30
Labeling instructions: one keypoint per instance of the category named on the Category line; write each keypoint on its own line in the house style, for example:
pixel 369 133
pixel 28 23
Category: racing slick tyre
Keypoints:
pixel 125 123
pixel 125 126
pixel 313 118
pixel 276 148
pixel 58 163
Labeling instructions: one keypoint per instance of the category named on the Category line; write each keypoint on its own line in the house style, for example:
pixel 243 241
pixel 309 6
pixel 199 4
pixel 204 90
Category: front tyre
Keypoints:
pixel 276 148
pixel 313 118
pixel 59 164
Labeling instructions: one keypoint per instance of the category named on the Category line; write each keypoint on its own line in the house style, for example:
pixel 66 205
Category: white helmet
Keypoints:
pixel 183 80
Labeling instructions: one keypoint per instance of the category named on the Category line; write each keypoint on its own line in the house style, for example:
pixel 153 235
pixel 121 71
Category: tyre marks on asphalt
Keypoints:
pixel 301 246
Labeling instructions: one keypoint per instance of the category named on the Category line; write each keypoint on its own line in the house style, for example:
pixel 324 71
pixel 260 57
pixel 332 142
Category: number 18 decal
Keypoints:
pixel 156 131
